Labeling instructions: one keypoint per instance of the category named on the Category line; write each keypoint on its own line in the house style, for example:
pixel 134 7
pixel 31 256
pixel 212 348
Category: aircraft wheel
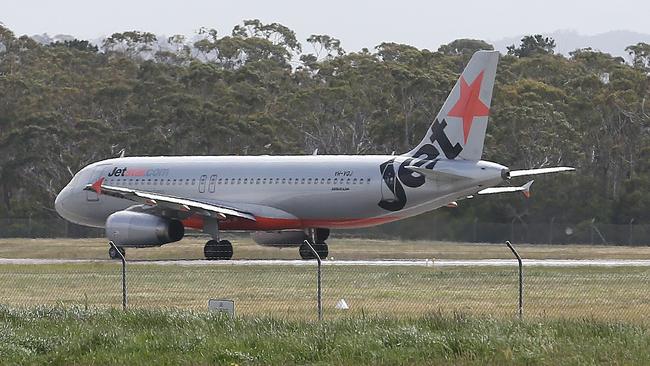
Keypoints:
pixel 322 250
pixel 225 249
pixel 306 253
pixel 218 250
pixel 113 254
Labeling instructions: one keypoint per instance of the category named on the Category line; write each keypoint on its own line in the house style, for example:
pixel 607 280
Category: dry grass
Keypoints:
pixel 289 291
pixel 603 293
pixel 340 248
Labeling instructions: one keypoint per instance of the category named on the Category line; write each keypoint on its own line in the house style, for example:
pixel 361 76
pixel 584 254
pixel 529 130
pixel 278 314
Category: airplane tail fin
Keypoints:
pixel 458 131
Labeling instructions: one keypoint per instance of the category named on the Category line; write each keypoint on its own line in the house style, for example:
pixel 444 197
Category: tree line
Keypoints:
pixel 257 91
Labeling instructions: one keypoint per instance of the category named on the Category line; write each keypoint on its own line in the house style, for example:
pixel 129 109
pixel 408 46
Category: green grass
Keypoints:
pixel 109 337
pixel 340 248
pixel 290 292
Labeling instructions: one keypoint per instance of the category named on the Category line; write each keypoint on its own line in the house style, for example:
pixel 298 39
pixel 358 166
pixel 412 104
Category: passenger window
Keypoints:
pixel 193 181
pixel 219 181
pixel 302 181
pixel 354 181
pixel 336 180
pixel 348 181
pixel 368 180
pixel 308 181
pixel 329 180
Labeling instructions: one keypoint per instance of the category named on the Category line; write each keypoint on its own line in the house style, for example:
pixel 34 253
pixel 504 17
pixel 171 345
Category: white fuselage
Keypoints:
pixel 282 192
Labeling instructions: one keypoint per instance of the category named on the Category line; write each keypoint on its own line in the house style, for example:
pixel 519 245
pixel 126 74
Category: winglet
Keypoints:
pixel 97 186
pixel 526 190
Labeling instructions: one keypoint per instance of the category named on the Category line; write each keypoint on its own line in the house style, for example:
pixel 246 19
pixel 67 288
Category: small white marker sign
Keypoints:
pixel 223 306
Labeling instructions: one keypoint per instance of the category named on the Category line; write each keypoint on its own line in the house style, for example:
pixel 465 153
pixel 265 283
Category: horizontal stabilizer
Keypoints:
pixel 525 189
pixel 527 172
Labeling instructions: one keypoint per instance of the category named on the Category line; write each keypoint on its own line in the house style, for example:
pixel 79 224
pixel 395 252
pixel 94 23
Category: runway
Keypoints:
pixel 374 263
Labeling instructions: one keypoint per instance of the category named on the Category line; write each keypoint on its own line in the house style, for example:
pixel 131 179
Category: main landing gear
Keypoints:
pixel 215 249
pixel 114 254
pixel 218 250
pixel 317 239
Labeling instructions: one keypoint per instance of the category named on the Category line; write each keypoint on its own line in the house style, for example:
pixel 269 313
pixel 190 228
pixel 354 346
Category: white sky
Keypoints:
pixel 357 23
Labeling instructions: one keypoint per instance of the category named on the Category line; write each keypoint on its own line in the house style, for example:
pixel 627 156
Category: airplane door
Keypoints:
pixel 92 196
pixel 388 184
pixel 213 183
pixel 202 183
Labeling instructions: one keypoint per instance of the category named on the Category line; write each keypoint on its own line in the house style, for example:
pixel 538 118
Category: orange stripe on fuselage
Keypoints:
pixel 268 223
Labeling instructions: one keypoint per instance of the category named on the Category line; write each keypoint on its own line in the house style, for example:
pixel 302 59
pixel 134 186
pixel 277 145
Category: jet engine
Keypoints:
pixel 138 229
pixel 288 238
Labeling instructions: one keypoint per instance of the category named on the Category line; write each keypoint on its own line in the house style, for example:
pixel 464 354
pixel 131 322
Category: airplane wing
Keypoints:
pixel 525 189
pixel 523 173
pixel 433 174
pixel 170 202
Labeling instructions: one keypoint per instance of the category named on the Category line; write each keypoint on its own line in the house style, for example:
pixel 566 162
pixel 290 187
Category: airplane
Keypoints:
pixel 286 200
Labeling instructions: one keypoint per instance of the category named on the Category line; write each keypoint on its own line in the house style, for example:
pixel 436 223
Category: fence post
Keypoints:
pixel 595 229
pixel 521 280
pixel 123 274
pixel 319 296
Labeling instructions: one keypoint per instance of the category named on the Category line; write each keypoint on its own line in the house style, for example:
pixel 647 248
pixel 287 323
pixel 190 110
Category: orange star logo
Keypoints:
pixel 469 105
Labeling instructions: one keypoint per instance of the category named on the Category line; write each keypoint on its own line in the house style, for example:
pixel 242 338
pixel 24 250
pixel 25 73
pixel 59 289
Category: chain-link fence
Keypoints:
pixel 45 228
pixel 474 231
pixel 366 278
pixel 287 289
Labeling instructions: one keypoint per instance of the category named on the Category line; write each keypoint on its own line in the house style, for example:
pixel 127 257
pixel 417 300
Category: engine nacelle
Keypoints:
pixel 138 229
pixel 288 238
